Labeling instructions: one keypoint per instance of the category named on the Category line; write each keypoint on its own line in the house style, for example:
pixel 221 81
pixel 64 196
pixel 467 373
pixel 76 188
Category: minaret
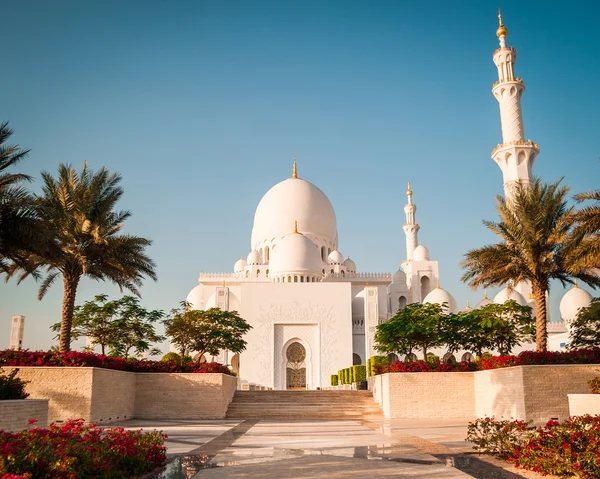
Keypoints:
pixel 515 156
pixel 411 227
pixel 16 333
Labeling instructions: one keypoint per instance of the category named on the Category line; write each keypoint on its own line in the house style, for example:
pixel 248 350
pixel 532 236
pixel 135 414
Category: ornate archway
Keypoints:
pixel 295 370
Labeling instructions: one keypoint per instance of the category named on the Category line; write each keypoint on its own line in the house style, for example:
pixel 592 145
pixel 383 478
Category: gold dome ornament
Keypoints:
pixel 409 191
pixel 502 31
pixel 294 169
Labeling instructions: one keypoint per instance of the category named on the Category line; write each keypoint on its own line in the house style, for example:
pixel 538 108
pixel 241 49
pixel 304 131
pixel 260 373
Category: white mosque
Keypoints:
pixel 312 312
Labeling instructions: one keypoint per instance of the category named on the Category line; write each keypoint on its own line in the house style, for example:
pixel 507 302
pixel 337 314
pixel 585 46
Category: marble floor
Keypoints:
pixel 423 449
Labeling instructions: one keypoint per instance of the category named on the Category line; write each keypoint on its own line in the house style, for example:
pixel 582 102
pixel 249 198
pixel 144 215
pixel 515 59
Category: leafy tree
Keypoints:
pixel 585 330
pixel 84 239
pixel 19 227
pixel 95 320
pixel 499 327
pixel 587 221
pixel 539 243
pixel 134 328
pixel 206 331
pixel 416 326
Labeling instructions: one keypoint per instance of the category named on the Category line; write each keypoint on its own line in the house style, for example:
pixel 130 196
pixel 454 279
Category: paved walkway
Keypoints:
pixel 417 449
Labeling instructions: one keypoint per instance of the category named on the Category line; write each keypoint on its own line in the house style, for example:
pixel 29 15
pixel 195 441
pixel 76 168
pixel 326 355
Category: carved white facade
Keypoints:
pixel 17 328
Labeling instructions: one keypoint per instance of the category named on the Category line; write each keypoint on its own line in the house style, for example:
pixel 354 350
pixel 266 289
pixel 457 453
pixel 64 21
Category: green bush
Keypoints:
pixel 340 376
pixel 595 385
pixel 334 379
pixel 433 359
pixel 12 387
pixel 350 375
pixel 377 364
pixel 359 373
pixel 369 367
pixel 171 357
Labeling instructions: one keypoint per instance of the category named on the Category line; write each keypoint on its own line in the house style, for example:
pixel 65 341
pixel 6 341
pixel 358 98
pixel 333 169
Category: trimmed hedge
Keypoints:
pixel 359 373
pixel 376 364
pixel 334 379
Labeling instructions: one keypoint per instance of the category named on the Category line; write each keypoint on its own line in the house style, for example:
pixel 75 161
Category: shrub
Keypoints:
pixel 350 373
pixel 563 449
pixel 359 373
pixel 10 357
pixel 76 450
pixel 595 385
pixel 378 365
pixel 340 375
pixel 369 367
pixel 12 387
pixel 171 356
pixel 433 359
pixel 334 379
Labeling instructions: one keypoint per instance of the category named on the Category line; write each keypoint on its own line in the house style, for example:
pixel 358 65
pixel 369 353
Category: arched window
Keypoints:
pixel 401 302
pixel 247 274
pixel 267 272
pixel 410 357
pixel 425 287
pixel 266 254
pixel 449 359
pixel 257 273
pixel 356 360
pixel 295 279
pixel 332 271
pixel 323 253
pixel 289 279
pixel 467 357
pixel 343 273
pixel 323 271
pixel 392 358
pixel 302 279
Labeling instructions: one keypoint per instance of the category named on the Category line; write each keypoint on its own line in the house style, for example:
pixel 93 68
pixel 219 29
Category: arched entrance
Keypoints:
pixel 295 370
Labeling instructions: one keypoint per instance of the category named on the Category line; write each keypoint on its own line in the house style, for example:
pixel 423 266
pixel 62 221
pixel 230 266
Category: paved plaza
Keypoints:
pixel 407 448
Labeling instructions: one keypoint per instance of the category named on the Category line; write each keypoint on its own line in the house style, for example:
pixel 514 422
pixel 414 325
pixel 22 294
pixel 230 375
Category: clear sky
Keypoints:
pixel 202 105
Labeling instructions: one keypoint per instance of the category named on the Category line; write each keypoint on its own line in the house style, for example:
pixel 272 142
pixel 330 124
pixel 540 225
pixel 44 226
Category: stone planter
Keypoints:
pixel 16 413
pixel 581 404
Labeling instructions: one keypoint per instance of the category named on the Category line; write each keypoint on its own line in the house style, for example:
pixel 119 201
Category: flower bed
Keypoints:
pixel 76 450
pixel 9 357
pixel 526 358
pixel 564 449
pixel 595 385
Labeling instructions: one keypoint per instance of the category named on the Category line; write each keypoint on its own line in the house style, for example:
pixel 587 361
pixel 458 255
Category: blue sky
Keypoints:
pixel 202 105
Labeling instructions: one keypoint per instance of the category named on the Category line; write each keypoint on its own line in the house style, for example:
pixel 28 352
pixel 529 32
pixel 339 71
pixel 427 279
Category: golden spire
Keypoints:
pixel 502 31
pixel 468 304
pixel 367 284
pixel 485 296
pixel 295 227
pixel 295 170
pixel 576 285
pixel 438 284
pixel 409 191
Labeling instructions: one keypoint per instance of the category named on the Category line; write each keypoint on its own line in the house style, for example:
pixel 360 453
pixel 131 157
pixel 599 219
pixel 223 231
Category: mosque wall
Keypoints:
pixel 318 315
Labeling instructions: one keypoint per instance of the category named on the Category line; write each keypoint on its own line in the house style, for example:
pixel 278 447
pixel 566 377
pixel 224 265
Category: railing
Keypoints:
pixel 384 276
pixel 517 80
pixel 515 143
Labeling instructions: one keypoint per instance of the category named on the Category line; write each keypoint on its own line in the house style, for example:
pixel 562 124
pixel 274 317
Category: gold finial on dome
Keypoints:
pixel 295 170
pixel 576 284
pixel 409 191
pixel 485 296
pixel 296 227
pixel 438 284
pixel 502 31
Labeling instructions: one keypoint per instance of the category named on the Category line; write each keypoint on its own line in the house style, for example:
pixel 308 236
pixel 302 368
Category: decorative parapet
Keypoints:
pixel 516 143
pixel 512 49
pixel 213 276
pixel 515 80
pixel 555 327
pixel 360 276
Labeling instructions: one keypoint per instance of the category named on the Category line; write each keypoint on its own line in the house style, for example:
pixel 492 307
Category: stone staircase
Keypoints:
pixel 303 405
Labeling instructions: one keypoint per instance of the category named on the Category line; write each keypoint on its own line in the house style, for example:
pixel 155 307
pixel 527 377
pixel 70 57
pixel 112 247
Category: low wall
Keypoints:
pixel 183 395
pixel 420 395
pixel 530 393
pixel 582 404
pixel 104 396
pixel 16 413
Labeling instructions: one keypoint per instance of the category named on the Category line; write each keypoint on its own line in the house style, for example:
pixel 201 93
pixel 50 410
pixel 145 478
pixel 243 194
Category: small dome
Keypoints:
pixel 295 253
pixel 335 257
pixel 195 298
pixel 504 296
pixel 239 266
pixel 484 302
pixel 254 258
pixel 350 265
pixel 399 277
pixel 570 304
pixel 467 308
pixel 440 296
pixel 421 253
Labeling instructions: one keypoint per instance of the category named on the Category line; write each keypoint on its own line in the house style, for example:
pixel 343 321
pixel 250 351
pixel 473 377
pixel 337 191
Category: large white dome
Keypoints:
pixel 570 304
pixel 295 254
pixel 292 200
pixel 484 302
pixel 440 296
pixel 506 295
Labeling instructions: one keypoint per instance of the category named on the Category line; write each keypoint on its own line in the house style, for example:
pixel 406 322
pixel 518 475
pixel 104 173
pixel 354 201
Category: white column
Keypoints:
pixel 371 319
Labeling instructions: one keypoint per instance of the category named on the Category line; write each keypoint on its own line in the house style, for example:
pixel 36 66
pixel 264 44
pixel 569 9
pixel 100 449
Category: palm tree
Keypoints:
pixel 84 238
pixel 587 221
pixel 539 243
pixel 17 216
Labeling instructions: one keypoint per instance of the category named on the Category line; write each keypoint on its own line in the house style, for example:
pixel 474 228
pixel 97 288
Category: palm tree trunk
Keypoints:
pixel 539 292
pixel 70 286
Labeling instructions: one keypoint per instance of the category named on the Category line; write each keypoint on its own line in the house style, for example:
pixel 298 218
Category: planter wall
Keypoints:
pixel 104 396
pixel 582 404
pixel 16 413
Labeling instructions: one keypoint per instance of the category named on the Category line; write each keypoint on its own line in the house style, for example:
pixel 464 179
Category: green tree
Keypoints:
pixel 539 243
pixel 95 320
pixel 499 327
pixel 417 326
pixel 207 331
pixel 587 221
pixel 20 228
pixel 585 330
pixel 134 328
pixel 84 238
